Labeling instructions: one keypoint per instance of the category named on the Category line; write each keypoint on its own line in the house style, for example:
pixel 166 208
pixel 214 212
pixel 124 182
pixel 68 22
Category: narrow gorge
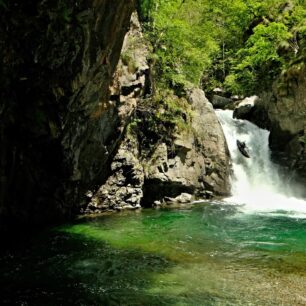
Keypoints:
pixel 153 152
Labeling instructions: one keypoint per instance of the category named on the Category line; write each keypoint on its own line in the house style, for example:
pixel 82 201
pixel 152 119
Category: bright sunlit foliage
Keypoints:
pixel 236 42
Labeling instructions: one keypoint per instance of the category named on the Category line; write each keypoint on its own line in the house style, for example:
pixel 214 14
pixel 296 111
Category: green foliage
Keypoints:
pixel 180 34
pixel 129 61
pixel 144 9
pixel 241 43
pixel 66 14
pixel 273 44
pixel 262 46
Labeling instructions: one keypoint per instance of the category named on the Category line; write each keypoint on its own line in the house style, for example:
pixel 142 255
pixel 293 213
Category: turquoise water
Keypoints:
pixel 211 254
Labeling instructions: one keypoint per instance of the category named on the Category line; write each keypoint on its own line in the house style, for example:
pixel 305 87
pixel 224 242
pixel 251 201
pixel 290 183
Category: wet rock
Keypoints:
pixel 184 198
pixel 181 200
pixel 284 109
pixel 157 204
pixel 236 98
pixel 245 109
pixel 219 91
pixel 208 194
pixel 220 102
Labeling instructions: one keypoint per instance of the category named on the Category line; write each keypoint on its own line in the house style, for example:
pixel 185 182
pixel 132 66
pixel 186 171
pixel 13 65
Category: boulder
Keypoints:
pixel 211 144
pixel 183 198
pixel 197 160
pixel 245 108
pixel 218 91
pixel 220 102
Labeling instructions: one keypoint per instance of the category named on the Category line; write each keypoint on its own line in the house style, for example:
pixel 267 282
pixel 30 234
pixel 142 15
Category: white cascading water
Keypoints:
pixel 256 181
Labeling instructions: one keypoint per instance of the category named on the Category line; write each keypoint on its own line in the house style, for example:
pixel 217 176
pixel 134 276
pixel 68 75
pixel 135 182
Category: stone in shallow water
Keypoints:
pixel 183 198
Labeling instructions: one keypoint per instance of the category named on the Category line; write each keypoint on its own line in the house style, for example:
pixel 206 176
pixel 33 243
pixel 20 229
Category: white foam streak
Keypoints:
pixel 256 181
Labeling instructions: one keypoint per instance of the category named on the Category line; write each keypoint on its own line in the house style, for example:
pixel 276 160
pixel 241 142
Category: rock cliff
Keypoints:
pixel 285 107
pixel 197 162
pixel 67 112
pixel 59 129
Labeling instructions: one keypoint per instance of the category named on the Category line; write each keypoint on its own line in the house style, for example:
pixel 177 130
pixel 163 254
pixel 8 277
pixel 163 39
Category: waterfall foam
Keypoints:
pixel 256 182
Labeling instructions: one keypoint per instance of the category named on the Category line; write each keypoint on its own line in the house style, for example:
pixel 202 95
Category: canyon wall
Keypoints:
pixel 59 129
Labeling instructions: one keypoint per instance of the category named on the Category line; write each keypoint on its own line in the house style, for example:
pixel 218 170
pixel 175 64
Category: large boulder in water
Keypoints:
pixel 211 143
pixel 195 163
pixel 245 108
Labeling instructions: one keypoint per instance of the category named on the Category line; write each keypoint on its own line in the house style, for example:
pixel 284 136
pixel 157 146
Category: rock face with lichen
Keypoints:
pixel 59 129
pixel 123 188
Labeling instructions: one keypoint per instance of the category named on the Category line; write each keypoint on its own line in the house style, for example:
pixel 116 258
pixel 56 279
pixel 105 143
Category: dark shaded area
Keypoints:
pixel 155 190
pixel 55 268
pixel 57 129
pixel 289 151
pixel 260 117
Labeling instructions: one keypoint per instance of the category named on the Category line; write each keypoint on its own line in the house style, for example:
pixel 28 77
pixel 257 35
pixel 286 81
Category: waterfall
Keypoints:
pixel 256 181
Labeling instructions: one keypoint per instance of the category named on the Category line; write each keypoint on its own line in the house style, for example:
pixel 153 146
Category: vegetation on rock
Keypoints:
pixel 158 119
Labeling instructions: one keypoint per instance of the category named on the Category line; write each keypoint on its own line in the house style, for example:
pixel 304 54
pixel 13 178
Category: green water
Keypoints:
pixel 208 255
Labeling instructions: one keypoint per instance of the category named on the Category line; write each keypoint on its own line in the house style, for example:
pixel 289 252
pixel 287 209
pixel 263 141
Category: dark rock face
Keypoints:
pixel 123 188
pixel 285 107
pixel 58 128
pixel 64 112
pixel 245 108
pixel 220 102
